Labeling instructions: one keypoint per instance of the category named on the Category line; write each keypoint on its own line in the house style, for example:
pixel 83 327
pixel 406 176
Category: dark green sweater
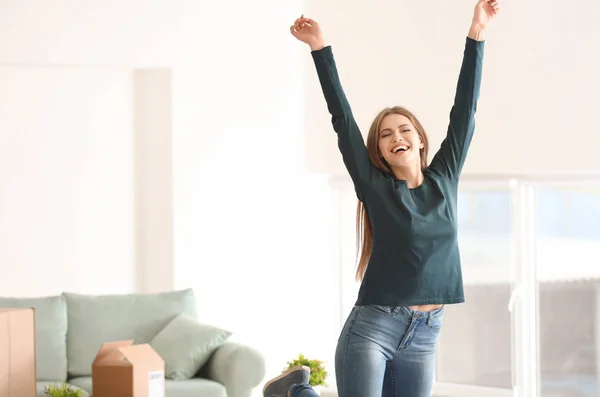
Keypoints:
pixel 415 258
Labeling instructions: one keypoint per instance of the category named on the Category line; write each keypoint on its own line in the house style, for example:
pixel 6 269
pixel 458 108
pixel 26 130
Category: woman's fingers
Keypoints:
pixel 295 30
pixel 303 22
pixel 301 25
pixel 495 6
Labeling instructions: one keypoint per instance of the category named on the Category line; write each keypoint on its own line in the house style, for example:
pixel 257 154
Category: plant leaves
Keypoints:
pixel 64 390
pixel 318 373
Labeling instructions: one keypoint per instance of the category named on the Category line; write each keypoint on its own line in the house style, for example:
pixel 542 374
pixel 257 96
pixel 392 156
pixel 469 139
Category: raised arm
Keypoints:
pixel 350 141
pixel 451 156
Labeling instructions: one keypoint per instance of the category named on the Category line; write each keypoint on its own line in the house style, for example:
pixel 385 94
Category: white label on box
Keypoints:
pixel 156 384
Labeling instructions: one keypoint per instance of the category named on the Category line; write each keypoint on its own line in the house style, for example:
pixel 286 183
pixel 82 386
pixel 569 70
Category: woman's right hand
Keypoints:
pixel 308 31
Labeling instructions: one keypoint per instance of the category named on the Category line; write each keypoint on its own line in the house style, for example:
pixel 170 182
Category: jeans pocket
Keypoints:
pixel 382 309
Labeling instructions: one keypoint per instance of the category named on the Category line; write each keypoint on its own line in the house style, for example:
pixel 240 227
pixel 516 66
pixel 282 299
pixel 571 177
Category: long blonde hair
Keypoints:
pixel 364 229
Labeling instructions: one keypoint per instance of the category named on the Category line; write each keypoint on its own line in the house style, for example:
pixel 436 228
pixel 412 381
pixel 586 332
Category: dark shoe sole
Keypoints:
pixel 283 375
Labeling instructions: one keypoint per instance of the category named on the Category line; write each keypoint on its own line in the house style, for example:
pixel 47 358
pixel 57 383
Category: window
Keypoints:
pixel 568 268
pixel 475 345
pixel 533 248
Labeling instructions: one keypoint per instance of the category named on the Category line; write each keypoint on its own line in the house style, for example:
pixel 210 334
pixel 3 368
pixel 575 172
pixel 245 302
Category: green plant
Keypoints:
pixel 63 390
pixel 318 373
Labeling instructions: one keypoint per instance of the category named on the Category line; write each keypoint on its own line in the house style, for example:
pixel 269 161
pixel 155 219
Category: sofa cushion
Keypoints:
pixel 174 388
pixel 96 319
pixel 186 345
pixel 41 388
pixel 50 334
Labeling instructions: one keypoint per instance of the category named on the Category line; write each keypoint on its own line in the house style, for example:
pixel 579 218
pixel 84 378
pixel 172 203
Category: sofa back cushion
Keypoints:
pixel 96 319
pixel 50 334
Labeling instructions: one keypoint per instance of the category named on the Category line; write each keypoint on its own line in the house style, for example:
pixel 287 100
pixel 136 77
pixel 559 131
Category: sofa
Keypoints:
pixel 70 328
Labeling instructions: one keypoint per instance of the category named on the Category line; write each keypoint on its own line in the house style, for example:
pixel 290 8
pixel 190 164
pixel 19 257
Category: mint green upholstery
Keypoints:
pixel 50 334
pixel 94 320
pixel 186 345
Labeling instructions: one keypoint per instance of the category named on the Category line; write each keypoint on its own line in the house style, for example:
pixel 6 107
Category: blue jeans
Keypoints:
pixel 385 351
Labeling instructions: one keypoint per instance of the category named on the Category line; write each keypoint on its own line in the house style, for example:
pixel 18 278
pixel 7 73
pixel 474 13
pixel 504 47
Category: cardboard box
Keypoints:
pixel 17 353
pixel 126 370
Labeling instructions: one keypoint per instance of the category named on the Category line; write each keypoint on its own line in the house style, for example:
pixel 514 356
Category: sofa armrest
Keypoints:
pixel 238 367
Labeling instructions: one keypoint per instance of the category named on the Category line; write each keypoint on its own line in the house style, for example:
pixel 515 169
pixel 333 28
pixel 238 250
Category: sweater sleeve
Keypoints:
pixel 451 156
pixel 350 140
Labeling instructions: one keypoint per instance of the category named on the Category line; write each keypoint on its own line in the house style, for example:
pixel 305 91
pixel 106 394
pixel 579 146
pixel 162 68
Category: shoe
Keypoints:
pixel 280 386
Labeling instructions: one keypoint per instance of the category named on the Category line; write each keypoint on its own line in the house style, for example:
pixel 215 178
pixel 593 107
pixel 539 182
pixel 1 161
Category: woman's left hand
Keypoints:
pixel 485 11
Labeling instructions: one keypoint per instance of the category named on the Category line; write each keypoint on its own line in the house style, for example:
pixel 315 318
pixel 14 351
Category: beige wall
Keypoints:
pixel 66 180
pixel 209 165
pixel 537 112
pixel 132 33
pixel 153 168
pixel 253 231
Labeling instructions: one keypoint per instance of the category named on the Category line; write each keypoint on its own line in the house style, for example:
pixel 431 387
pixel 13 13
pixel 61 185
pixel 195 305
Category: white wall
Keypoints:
pixel 90 146
pixel 133 33
pixel 85 39
pixel 153 169
pixel 253 231
pixel 540 86
pixel 66 180
pixel 64 62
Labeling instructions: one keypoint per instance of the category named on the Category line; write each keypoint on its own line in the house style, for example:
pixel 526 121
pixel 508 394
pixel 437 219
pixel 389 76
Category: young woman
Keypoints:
pixel 410 263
